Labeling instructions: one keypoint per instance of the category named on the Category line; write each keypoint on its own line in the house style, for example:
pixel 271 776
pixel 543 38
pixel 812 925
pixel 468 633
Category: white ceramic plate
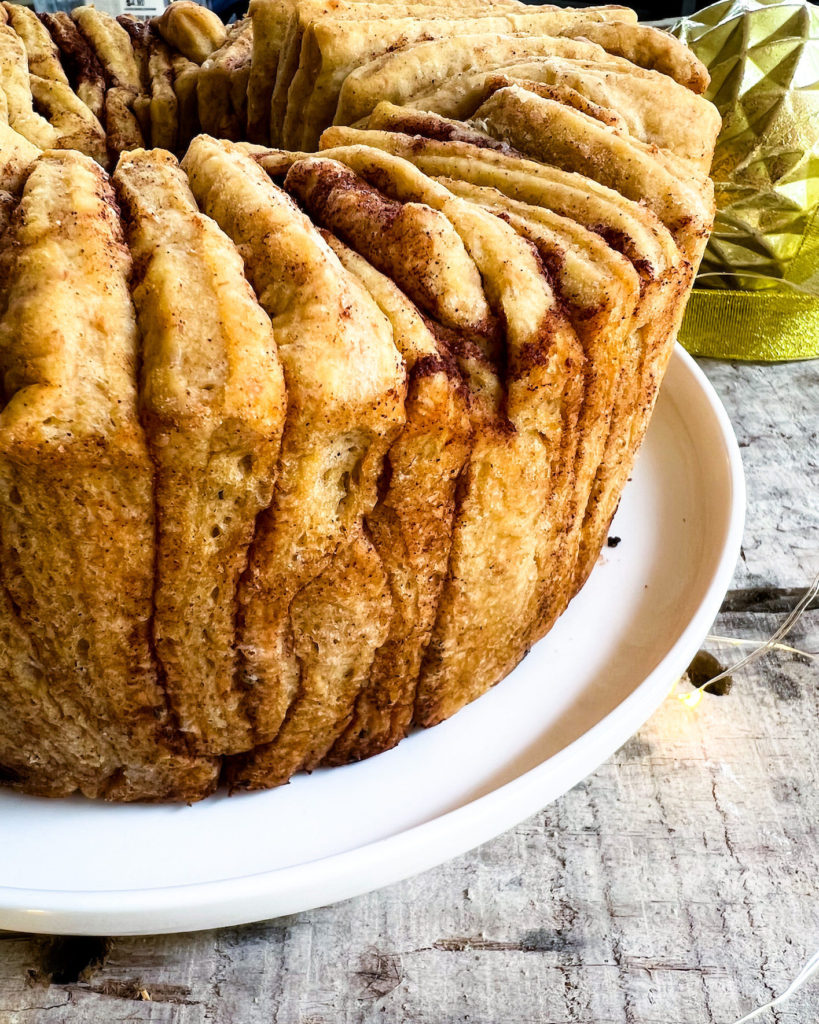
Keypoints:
pixel 75 867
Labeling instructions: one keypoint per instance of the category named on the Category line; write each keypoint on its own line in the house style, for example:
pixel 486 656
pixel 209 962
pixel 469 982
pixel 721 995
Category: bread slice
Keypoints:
pixel 222 84
pixel 126 100
pixel 270 22
pixel 140 34
pixel 314 94
pixel 647 47
pixel 17 155
pixel 411 525
pixel 425 66
pixel 650 106
pixel 192 29
pixel 112 45
pixel 414 245
pixel 278 27
pixel 41 51
pixel 345 385
pixel 600 291
pixel 163 105
pixel 213 404
pixel 15 84
pixel 185 79
pixel 76 492
pixel 122 128
pixel 85 73
pixel 76 126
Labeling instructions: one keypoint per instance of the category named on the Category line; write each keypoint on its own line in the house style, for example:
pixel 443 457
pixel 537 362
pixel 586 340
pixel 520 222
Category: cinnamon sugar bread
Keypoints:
pixel 302 447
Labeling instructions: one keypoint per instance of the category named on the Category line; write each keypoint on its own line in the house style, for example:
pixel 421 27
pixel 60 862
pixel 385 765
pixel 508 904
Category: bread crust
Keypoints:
pixel 411 525
pixel 212 401
pixel 491 596
pixel 647 47
pixel 192 29
pixel 313 95
pixel 222 84
pixel 76 492
pixel 346 386
pixel 415 68
pixel 16 86
pixel 43 55
pixel 84 70
pixel 76 126
pixel 627 227
pixel 553 133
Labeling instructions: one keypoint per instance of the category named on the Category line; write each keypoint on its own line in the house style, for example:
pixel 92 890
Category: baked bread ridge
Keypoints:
pixel 75 125
pixel 222 84
pixel 553 133
pixel 276 26
pixel 650 106
pixel 346 387
pixel 212 402
pixel 16 87
pixel 41 50
pixel 126 100
pixel 79 61
pixel 76 493
pixel 411 525
pixel 647 47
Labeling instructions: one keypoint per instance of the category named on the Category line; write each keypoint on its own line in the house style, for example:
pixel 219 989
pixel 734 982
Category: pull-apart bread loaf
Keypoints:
pixel 302 447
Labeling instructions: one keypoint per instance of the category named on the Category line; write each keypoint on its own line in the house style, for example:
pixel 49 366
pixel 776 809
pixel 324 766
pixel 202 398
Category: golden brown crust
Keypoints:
pixel 76 126
pixel 411 526
pixel 480 633
pixel 345 386
pixel 163 105
pixel 185 78
pixel 222 85
pixel 84 70
pixel 77 496
pixel 329 55
pixel 412 70
pixel 16 86
pixel 112 45
pixel 627 227
pixel 213 402
pixel 43 55
pixel 17 155
pixel 552 133
pixel 192 29
pixel 647 47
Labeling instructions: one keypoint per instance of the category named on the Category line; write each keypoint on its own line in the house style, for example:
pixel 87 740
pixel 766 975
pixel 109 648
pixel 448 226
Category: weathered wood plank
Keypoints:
pixel 676 885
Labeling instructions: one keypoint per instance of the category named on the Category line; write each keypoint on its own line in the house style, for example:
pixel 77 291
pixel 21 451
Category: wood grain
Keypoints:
pixel 676 885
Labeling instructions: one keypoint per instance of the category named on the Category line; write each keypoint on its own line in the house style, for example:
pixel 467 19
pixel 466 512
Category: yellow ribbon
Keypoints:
pixel 768 326
pixel 765 326
pixel 763 57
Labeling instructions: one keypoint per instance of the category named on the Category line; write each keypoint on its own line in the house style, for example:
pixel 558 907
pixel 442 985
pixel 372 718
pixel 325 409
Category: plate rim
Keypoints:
pixel 262 895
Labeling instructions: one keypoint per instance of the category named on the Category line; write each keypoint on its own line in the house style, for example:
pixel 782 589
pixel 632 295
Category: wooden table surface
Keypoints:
pixel 676 885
